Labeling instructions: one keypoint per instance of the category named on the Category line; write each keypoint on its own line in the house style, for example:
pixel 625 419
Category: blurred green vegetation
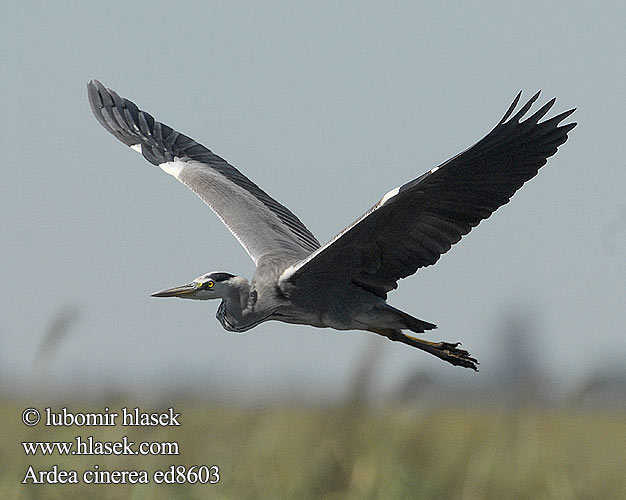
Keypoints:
pixel 348 451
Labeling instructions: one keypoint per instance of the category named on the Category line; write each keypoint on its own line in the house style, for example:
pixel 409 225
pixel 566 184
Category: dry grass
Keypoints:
pixel 348 452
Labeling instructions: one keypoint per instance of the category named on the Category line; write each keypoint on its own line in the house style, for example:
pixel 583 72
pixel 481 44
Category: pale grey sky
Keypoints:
pixel 327 107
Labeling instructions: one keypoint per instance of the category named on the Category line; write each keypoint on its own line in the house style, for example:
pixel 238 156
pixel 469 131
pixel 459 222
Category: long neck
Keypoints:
pixel 236 312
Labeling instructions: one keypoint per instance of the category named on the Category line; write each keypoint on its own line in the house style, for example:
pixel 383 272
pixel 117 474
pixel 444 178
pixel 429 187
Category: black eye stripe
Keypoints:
pixel 220 276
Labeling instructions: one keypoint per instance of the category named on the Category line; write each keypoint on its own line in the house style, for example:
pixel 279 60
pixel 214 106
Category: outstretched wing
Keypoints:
pixel 414 224
pixel 262 225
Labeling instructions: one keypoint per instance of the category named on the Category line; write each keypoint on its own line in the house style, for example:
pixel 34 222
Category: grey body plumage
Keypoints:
pixel 343 284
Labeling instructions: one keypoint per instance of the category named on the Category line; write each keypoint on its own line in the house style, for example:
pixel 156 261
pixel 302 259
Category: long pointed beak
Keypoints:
pixel 177 291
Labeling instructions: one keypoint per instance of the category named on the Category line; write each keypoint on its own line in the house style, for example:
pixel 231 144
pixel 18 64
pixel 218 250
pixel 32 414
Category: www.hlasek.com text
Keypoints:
pixel 90 446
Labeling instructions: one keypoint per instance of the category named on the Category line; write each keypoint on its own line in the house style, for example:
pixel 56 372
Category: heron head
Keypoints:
pixel 215 285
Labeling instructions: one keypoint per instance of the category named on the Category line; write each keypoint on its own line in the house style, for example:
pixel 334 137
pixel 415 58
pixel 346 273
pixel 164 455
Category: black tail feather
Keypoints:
pixel 414 324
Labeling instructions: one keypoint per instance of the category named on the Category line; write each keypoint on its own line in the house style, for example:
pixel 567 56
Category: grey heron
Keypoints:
pixel 344 283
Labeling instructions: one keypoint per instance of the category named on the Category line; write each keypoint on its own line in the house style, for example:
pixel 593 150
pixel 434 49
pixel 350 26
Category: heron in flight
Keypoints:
pixel 344 283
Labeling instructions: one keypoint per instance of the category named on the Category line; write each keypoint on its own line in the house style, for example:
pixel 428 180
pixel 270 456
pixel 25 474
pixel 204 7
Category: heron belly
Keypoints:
pixel 299 317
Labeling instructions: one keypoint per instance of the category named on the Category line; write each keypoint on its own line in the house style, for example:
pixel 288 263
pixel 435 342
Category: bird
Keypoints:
pixel 343 284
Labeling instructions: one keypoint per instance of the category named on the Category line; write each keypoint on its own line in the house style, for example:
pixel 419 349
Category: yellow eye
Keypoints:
pixel 210 283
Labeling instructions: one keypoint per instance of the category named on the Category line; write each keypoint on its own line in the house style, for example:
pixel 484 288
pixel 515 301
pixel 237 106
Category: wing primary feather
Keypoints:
pixel 541 112
pixel 511 108
pixel 524 109
pixel 555 120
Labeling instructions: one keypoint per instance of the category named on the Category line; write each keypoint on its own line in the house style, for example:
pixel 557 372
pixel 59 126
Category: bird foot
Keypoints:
pixel 444 350
pixel 452 354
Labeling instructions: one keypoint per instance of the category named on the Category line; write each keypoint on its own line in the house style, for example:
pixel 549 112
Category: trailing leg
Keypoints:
pixel 443 350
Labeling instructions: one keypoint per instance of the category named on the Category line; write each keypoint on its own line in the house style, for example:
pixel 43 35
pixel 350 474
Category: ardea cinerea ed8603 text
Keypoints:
pixel 344 283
